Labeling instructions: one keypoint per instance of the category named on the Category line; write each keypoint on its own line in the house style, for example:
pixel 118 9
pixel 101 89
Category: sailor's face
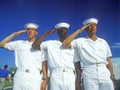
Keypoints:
pixel 31 32
pixel 92 28
pixel 62 31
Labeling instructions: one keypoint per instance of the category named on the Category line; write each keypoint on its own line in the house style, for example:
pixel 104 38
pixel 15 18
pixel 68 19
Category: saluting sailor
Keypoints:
pixel 27 60
pixel 95 54
pixel 60 59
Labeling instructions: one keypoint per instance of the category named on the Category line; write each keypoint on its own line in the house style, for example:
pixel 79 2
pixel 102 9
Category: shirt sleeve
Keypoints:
pixel 73 44
pixel 10 45
pixel 109 53
pixel 45 56
pixel 76 55
pixel 76 52
pixel 43 47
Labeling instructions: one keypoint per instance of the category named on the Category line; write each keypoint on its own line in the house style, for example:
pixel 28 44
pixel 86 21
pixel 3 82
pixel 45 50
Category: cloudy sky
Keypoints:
pixel 15 13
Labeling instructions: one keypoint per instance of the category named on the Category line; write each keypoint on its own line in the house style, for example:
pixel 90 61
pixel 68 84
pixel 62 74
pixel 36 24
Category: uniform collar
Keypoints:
pixel 29 42
pixel 92 40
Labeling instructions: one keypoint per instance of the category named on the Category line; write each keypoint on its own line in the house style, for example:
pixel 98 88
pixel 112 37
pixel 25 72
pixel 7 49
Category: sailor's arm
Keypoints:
pixel 68 40
pixel 110 67
pixel 36 44
pixel 78 75
pixel 44 69
pixel 8 38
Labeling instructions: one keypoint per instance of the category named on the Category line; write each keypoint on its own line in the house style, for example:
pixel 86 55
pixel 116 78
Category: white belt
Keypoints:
pixel 99 64
pixel 62 70
pixel 30 70
pixel 96 65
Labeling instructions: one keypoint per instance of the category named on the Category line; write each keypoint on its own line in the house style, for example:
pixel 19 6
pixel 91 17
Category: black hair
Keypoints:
pixel 6 66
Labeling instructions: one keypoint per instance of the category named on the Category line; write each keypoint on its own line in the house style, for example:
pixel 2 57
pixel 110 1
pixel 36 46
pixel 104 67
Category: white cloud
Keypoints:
pixel 116 45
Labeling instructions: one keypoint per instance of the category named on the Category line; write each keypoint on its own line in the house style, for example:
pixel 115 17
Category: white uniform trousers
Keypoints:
pixel 97 77
pixel 94 84
pixel 27 81
pixel 62 79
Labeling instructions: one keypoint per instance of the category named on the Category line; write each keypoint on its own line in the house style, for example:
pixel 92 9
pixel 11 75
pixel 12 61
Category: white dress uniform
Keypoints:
pixel 61 61
pixel 93 54
pixel 28 63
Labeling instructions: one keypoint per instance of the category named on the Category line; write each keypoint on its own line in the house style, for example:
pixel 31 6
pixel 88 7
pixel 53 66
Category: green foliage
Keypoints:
pixel 7 83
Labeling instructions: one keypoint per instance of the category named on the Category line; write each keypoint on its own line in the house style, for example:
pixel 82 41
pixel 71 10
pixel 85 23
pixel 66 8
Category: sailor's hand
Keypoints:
pixel 51 31
pixel 43 85
pixel 19 32
pixel 84 27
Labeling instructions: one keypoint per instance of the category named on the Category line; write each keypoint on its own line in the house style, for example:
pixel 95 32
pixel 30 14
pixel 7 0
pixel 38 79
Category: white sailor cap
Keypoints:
pixel 90 20
pixel 62 24
pixel 31 25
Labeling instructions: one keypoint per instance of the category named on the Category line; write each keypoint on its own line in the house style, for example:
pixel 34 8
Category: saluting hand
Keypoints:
pixel 84 27
pixel 51 31
pixel 19 32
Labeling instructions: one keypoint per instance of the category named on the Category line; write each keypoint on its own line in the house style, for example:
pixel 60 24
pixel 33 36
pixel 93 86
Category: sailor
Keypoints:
pixel 27 60
pixel 59 58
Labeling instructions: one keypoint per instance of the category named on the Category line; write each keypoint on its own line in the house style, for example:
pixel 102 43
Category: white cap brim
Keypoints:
pixel 62 24
pixel 90 20
pixel 31 25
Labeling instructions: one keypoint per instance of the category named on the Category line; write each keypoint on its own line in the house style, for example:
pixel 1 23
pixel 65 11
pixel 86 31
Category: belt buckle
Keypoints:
pixel 98 65
pixel 27 70
pixel 64 70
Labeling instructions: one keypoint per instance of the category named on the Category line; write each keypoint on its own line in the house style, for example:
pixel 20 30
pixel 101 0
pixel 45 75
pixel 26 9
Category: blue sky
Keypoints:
pixel 15 13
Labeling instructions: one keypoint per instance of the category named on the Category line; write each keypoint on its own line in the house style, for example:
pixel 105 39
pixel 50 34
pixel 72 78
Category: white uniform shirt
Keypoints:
pixel 25 56
pixel 57 55
pixel 91 52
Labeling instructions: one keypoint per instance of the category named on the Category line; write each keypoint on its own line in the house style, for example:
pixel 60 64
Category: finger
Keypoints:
pixel 24 30
pixel 52 31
